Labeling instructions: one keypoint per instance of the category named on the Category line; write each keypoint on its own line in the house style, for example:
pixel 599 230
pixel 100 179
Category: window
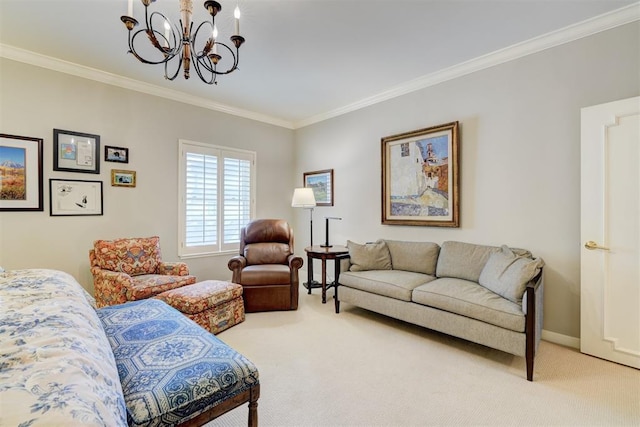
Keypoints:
pixel 217 199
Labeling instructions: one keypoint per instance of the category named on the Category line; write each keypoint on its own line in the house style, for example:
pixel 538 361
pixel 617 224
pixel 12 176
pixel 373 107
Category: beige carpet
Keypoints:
pixel 356 368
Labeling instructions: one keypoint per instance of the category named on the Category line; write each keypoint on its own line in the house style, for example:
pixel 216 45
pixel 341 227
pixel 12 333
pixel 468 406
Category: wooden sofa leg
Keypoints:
pixel 530 331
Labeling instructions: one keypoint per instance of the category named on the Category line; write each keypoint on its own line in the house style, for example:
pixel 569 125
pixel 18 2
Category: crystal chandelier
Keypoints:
pixel 181 41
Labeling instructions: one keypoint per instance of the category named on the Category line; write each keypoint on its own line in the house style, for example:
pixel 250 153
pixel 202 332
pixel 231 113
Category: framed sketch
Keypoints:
pixel 123 178
pixel 76 152
pixel 69 197
pixel 322 184
pixel 20 173
pixel 116 154
pixel 420 177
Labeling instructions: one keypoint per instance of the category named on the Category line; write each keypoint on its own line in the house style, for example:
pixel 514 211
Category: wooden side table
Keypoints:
pixel 336 253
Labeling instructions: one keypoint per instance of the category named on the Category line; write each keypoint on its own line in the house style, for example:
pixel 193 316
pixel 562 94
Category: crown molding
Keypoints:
pixel 55 64
pixel 568 34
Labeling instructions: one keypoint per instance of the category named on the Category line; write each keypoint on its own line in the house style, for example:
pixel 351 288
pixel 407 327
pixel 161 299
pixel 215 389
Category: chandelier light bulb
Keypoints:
pixel 236 14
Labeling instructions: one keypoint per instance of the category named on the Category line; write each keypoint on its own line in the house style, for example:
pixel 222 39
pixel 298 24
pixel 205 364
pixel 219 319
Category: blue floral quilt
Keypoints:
pixel 56 365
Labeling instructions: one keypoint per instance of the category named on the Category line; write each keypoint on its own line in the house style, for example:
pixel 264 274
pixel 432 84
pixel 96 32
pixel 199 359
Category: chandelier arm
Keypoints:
pixel 235 61
pixel 132 50
pixel 198 62
pixel 178 68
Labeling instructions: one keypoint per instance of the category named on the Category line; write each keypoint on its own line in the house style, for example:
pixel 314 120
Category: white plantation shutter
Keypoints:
pixel 201 207
pixel 236 198
pixel 216 197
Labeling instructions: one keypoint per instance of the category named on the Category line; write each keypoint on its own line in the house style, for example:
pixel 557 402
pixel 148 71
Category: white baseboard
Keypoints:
pixel 564 340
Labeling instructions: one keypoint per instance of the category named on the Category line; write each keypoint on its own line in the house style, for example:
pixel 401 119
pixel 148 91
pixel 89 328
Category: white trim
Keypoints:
pixel 568 34
pixel 560 339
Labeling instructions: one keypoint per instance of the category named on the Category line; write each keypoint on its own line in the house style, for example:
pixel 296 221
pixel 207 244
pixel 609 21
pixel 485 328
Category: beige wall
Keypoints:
pixel 34 101
pixel 520 160
pixel 520 156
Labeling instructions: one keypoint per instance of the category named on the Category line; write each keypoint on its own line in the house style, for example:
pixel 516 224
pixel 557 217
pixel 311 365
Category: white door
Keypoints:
pixel 610 230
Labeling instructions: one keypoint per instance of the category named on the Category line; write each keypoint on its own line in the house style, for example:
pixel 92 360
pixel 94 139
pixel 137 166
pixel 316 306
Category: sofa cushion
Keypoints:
pixel 507 274
pixel 133 256
pixel 419 257
pixel 370 256
pixel 396 284
pixel 463 260
pixel 469 299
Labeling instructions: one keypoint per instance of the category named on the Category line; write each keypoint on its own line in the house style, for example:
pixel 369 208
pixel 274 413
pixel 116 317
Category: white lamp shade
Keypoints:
pixel 303 198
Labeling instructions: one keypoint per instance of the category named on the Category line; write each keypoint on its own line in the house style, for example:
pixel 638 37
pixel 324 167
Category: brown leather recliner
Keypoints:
pixel 266 268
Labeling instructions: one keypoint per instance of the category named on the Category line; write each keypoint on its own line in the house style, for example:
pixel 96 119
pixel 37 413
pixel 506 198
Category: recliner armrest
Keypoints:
pixel 236 264
pixel 295 262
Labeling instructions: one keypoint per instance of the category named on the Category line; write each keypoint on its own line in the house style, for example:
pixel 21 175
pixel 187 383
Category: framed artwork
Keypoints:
pixel 420 177
pixel 116 154
pixel 123 178
pixel 69 197
pixel 76 152
pixel 20 173
pixel 322 184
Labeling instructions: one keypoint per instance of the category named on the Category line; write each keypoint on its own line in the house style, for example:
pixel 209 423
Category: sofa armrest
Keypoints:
pixel 236 264
pixel 173 268
pixel 345 264
pixel 110 287
pixel 532 306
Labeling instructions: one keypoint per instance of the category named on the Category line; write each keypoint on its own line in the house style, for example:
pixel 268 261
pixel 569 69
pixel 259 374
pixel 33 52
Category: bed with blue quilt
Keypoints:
pixel 62 362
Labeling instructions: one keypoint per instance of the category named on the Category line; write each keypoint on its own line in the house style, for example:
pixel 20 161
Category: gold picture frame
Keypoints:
pixel 123 178
pixel 420 177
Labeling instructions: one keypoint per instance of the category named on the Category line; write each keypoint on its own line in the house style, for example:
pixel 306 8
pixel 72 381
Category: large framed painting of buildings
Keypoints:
pixel 420 177
pixel 20 173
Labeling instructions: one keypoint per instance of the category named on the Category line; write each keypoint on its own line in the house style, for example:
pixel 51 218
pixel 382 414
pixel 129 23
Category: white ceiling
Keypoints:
pixel 303 59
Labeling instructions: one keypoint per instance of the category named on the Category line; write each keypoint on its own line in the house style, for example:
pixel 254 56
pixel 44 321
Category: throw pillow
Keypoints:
pixel 370 256
pixel 419 257
pixel 507 274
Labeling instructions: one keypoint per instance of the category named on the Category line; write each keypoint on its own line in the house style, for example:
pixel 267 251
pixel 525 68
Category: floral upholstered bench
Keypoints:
pixel 215 305
pixel 172 371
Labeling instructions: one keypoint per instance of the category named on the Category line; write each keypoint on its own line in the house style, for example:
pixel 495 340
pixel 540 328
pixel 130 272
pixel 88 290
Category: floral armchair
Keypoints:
pixel 132 269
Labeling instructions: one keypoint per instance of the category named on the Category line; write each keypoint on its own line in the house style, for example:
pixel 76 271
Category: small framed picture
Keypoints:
pixel 76 152
pixel 322 184
pixel 116 154
pixel 69 197
pixel 123 178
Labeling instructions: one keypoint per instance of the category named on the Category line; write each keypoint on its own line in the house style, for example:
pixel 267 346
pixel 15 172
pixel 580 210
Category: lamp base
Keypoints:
pixel 326 246
pixel 314 284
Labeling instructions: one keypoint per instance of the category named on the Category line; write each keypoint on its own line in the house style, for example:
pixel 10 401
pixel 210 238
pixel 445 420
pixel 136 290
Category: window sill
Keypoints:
pixel 208 254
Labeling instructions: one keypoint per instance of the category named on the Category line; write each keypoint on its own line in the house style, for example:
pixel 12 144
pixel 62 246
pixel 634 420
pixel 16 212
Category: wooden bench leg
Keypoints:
pixel 253 407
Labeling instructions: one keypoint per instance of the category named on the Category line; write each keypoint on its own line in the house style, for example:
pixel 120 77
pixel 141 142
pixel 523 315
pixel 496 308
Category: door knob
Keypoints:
pixel 591 245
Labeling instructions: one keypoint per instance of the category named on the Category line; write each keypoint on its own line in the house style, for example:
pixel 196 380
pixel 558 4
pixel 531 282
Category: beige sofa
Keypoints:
pixel 486 294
